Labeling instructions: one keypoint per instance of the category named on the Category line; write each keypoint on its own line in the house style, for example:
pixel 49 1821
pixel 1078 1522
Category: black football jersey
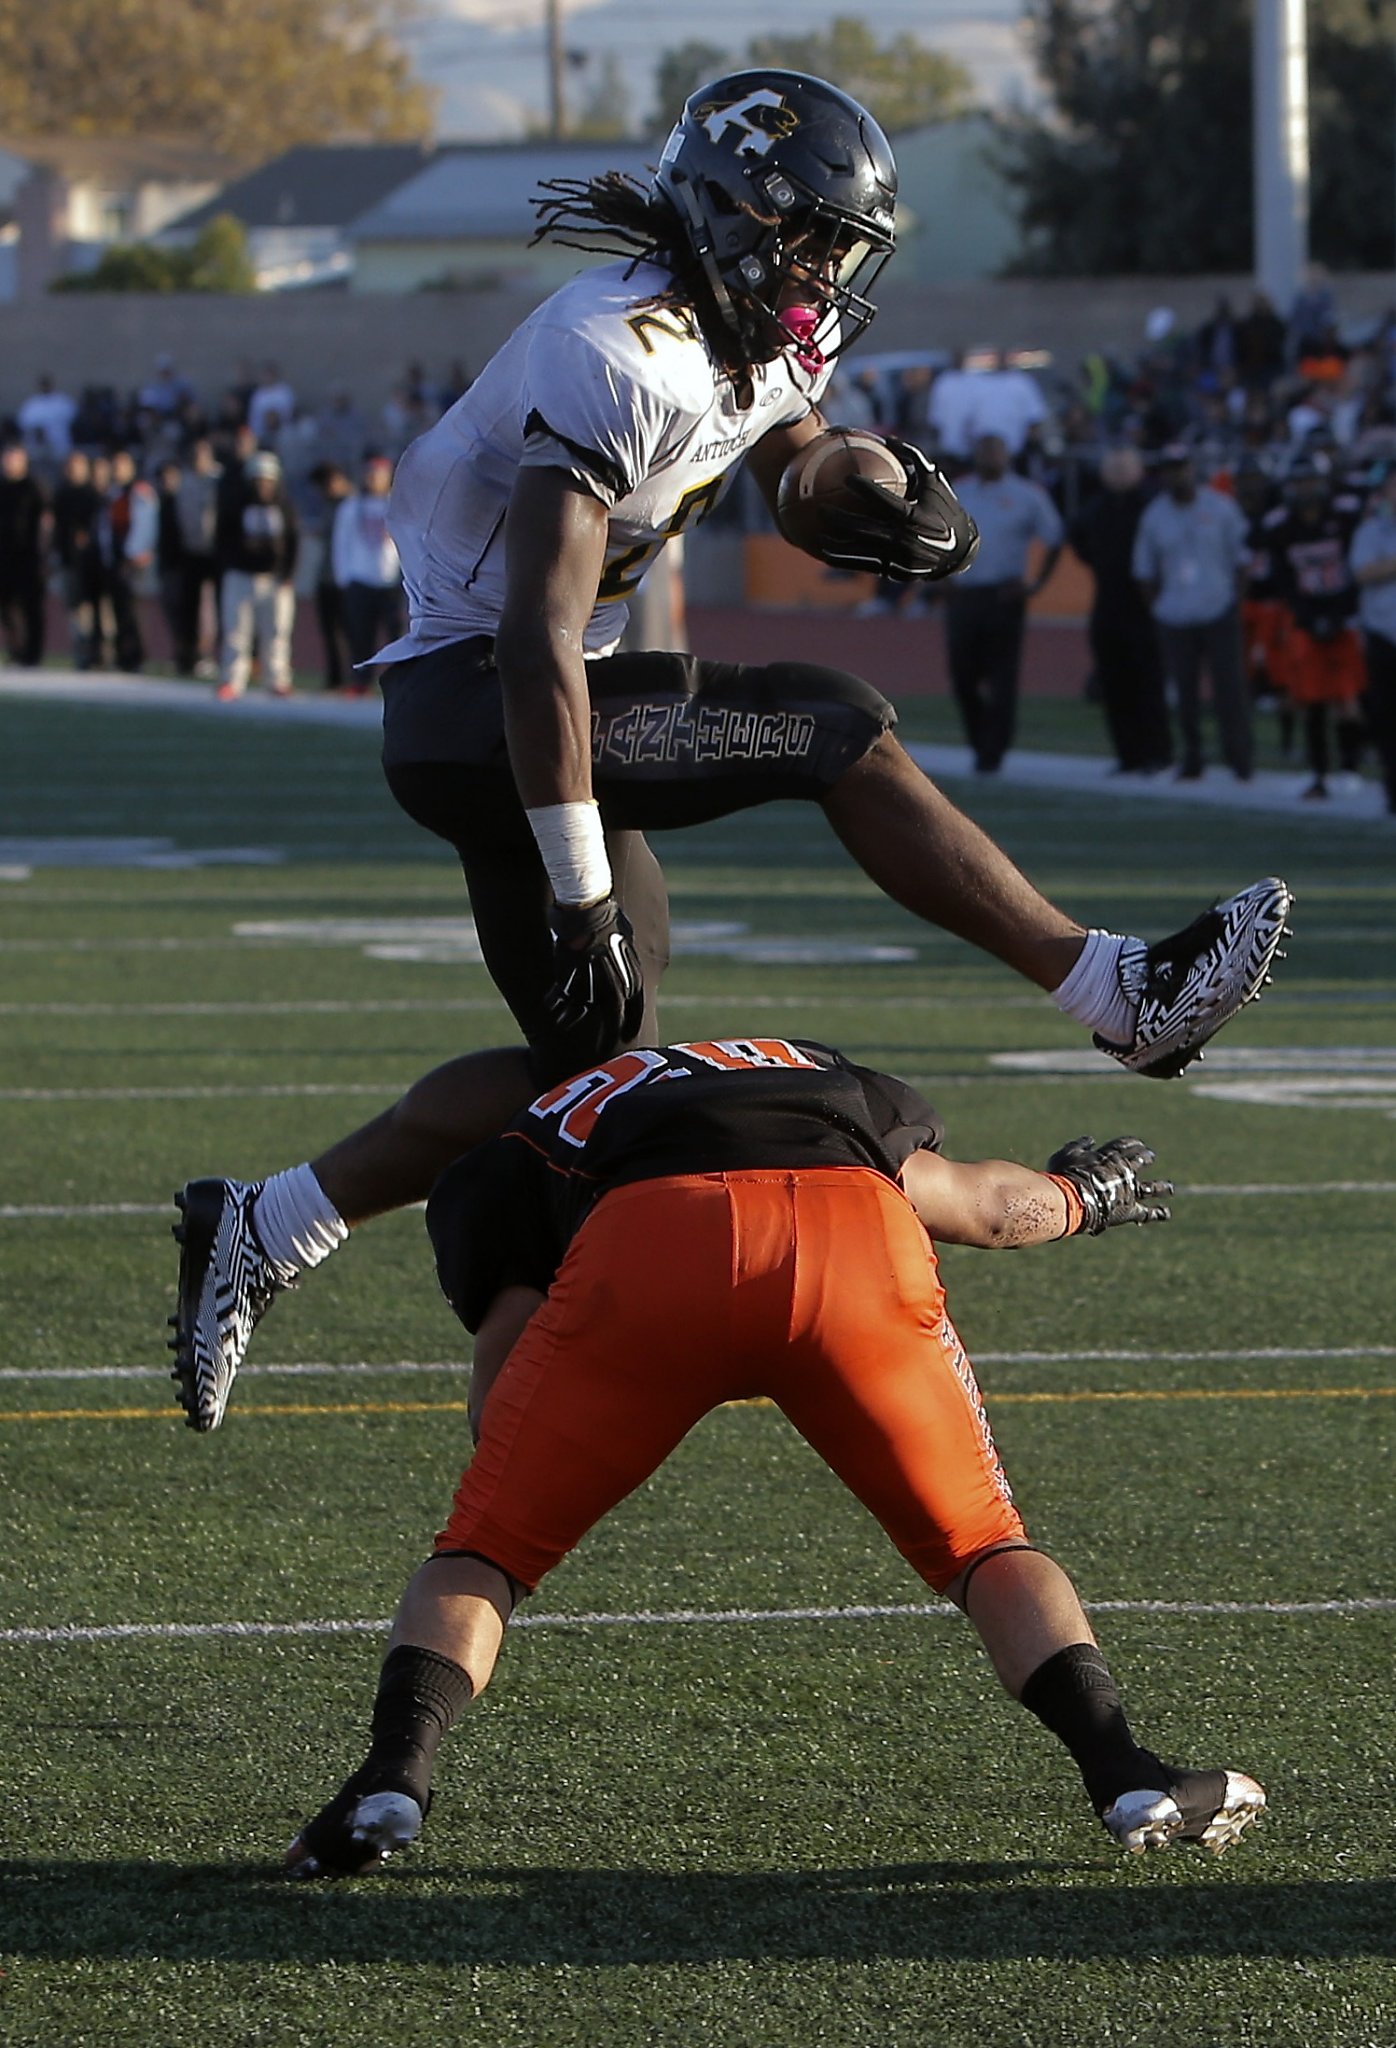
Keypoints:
pixel 505 1214
pixel 1311 564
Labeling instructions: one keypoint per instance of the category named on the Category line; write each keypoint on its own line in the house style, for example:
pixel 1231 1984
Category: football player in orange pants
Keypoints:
pixel 725 1220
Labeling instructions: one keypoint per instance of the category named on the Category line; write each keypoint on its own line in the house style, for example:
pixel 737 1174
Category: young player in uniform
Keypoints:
pixel 688 1225
pixel 607 423
pixel 1319 653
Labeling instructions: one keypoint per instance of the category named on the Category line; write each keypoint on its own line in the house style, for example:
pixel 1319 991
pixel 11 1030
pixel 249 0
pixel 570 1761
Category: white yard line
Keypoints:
pixel 234 1093
pixel 406 1367
pixel 680 1617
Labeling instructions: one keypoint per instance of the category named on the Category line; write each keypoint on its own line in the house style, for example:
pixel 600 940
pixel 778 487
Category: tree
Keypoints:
pixel 681 71
pixel 901 83
pixel 1144 161
pixel 216 261
pixel 247 77
pixel 605 112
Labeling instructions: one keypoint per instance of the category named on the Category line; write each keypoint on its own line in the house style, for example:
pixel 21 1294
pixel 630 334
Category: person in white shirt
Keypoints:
pixel 45 421
pixel 950 412
pixel 272 404
pixel 1005 402
pixel 366 567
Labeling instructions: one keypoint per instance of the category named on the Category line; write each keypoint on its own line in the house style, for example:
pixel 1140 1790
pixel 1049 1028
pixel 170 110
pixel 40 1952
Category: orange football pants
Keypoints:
pixel 816 1288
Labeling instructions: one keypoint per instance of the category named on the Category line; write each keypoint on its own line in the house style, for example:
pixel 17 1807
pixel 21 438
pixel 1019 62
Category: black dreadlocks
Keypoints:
pixel 613 215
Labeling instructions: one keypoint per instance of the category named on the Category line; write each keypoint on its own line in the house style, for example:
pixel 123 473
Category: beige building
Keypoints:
pixel 464 222
pixel 298 210
pixel 71 198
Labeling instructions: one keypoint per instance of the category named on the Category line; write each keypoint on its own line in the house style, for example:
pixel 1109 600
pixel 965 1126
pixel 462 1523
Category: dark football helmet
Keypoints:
pixel 785 192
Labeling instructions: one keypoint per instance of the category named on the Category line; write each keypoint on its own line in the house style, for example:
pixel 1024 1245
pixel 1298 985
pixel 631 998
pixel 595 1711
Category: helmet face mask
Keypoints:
pixel 785 191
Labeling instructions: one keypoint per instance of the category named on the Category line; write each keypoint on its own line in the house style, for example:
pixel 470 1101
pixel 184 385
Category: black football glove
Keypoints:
pixel 919 538
pixel 1109 1180
pixel 597 999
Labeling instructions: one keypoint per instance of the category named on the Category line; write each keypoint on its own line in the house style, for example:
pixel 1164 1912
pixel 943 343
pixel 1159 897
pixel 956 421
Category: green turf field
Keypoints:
pixel 768 1828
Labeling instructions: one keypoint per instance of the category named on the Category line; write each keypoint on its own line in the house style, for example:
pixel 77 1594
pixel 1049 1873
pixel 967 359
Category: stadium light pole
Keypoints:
pixel 1280 90
pixel 557 104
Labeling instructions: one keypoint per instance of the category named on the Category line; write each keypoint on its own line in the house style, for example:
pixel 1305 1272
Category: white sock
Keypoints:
pixel 296 1220
pixel 1092 992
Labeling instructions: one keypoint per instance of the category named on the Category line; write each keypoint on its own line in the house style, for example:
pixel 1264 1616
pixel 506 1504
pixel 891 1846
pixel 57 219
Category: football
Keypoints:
pixel 816 479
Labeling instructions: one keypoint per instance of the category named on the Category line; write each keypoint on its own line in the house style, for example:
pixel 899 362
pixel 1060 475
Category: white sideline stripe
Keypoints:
pixel 202 1094
pixel 466 1004
pixel 1293 1187
pixel 408 1366
pixel 22 1213
pixel 679 1617
pixel 19 1212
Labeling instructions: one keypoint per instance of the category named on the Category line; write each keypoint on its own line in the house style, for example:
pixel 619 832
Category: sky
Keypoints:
pixel 486 57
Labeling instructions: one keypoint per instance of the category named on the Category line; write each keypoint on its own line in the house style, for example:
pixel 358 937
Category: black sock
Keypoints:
pixel 419 1696
pixel 1073 1694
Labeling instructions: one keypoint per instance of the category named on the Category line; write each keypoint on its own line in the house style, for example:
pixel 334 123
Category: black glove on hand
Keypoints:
pixel 597 999
pixel 1107 1178
pixel 919 538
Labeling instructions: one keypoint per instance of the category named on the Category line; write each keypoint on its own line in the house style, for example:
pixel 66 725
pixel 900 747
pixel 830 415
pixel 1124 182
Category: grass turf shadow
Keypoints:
pixel 919 1911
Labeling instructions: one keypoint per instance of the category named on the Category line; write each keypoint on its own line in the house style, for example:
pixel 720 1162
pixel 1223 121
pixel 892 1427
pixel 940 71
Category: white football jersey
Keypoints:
pixel 623 395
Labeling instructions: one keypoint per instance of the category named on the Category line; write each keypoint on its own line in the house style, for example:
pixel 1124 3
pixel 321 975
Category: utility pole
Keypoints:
pixel 557 106
pixel 1280 87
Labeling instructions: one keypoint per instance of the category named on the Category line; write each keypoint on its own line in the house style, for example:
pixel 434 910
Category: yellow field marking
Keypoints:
pixel 171 1414
pixel 1055 1399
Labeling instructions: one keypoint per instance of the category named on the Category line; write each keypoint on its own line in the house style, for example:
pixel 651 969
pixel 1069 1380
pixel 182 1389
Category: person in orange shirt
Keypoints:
pixel 688 1225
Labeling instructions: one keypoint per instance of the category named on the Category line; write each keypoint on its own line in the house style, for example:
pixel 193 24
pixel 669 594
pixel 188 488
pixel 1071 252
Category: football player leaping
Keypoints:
pixel 754 1214
pixel 525 517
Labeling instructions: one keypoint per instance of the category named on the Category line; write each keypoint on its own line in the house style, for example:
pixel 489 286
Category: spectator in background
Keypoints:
pixel 407 414
pixel 328 488
pixel 1258 345
pixel 1124 645
pixel 257 542
pixel 341 432
pixel 986 603
pixel 196 510
pixel 166 393
pixel 366 566
pixel 271 403
pixel 77 512
pixel 24 519
pixel 1372 560
pixel 1005 402
pixel 169 555
pixel 1190 558
pixel 1319 664
pixel 949 411
pixel 127 535
pixel 456 382
pixel 1262 613
pixel 1215 341
pixel 1313 314
pixel 46 421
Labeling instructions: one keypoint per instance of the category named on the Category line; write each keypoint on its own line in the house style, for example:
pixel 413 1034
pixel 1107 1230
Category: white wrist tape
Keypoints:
pixel 573 847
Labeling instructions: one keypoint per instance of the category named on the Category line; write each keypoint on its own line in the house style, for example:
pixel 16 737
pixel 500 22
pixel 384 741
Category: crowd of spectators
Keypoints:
pixel 1227 487
pixel 230 514
pixel 1232 490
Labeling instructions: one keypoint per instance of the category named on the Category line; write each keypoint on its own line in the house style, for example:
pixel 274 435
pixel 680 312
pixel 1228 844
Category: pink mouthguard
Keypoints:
pixel 800 323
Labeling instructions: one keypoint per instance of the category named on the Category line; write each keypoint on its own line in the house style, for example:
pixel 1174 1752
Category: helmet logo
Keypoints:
pixel 760 119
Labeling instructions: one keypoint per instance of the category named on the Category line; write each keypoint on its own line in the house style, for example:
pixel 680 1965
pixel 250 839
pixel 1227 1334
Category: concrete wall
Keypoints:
pixel 365 339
